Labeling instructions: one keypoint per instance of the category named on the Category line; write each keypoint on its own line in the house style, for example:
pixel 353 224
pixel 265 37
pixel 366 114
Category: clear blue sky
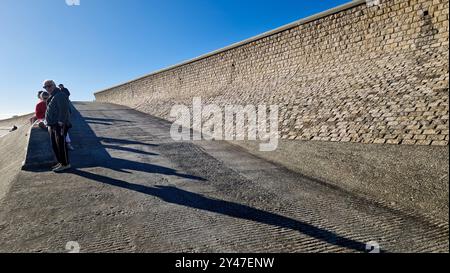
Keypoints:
pixel 101 43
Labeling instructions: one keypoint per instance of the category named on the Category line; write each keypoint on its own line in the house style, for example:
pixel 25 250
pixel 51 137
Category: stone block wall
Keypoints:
pixel 362 73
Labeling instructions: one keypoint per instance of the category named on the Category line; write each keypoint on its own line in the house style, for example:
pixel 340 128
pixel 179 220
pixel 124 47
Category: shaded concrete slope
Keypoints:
pixel 39 152
pixel 134 189
pixel 12 154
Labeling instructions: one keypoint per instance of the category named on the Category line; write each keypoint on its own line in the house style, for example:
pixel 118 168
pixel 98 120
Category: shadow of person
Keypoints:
pixel 93 153
pixel 100 158
pixel 184 198
pixel 124 165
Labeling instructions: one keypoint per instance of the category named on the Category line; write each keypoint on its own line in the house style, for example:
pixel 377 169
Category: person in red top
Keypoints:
pixel 40 110
pixel 41 107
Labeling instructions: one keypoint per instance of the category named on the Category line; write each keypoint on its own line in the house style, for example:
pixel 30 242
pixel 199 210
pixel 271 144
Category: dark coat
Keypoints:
pixel 66 91
pixel 58 109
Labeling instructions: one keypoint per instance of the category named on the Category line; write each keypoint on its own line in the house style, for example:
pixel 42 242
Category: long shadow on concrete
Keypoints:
pixel 127 149
pixel 124 142
pixel 98 122
pixel 90 119
pixel 91 152
pixel 193 200
pixel 99 157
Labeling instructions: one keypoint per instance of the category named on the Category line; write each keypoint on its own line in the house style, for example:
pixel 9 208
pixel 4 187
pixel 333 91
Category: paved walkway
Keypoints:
pixel 135 189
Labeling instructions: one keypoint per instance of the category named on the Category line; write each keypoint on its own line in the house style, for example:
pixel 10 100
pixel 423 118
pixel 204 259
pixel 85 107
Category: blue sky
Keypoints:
pixel 101 43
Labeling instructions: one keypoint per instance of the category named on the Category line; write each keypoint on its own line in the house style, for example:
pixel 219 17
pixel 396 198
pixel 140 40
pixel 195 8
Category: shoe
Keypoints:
pixel 62 168
pixel 70 147
pixel 56 166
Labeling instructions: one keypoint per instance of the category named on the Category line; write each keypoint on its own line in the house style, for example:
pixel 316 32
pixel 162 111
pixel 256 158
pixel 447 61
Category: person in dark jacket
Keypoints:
pixel 64 90
pixel 67 93
pixel 57 117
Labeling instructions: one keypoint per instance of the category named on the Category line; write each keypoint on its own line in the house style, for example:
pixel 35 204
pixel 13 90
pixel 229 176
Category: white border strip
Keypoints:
pixel 252 39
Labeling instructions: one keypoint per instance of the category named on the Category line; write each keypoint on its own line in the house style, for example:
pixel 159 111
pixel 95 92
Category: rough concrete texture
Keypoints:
pixel 135 189
pixel 369 74
pixel 12 153
pixel 412 178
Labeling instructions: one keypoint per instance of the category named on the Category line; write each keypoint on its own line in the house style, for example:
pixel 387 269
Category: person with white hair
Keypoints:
pixel 57 117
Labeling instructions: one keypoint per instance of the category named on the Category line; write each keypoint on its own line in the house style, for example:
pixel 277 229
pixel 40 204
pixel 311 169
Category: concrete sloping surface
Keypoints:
pixel 413 178
pixel 6 124
pixel 135 189
pixel 12 153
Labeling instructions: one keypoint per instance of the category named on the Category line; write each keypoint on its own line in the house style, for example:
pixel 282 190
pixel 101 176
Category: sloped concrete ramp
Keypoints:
pixel 13 147
pixel 134 189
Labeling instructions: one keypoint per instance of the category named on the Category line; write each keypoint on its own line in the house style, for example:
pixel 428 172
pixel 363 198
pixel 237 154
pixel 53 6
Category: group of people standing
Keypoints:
pixel 53 113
